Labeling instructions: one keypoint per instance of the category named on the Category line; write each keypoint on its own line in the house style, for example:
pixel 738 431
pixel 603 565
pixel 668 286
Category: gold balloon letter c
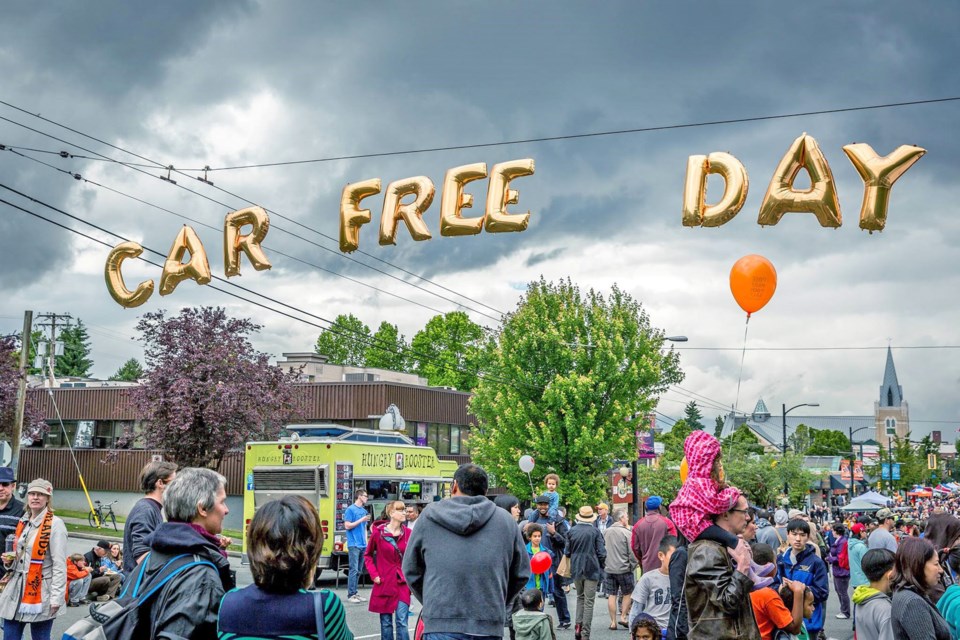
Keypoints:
pixel 115 285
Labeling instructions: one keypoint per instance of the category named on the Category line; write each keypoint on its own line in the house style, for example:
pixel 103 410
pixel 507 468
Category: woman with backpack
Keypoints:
pixel 36 578
pixel 839 559
pixel 384 559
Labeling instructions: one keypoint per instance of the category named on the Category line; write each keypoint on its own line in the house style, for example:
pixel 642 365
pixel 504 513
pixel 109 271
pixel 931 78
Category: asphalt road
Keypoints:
pixel 366 625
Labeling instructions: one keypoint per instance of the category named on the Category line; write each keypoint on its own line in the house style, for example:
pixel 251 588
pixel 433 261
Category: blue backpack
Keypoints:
pixel 120 619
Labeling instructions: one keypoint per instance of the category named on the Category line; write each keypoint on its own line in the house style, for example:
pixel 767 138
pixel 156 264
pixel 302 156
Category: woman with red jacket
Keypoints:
pixel 384 556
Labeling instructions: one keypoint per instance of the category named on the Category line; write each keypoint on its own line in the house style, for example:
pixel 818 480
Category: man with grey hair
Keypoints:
pixel 619 567
pixel 195 504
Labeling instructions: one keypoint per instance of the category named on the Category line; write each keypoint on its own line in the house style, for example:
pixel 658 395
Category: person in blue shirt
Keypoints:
pixel 355 520
pixel 799 562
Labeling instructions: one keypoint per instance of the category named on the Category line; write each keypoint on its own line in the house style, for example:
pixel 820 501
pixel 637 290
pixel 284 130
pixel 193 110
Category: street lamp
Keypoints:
pixel 852 455
pixel 786 488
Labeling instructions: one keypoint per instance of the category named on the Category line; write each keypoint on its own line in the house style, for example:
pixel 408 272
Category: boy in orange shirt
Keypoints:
pixel 78 579
pixel 768 608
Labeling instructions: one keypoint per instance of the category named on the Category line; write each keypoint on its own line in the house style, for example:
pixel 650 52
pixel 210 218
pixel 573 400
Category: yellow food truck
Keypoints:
pixel 328 463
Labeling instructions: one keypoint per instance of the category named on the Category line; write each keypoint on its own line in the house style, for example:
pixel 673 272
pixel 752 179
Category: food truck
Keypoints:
pixel 328 463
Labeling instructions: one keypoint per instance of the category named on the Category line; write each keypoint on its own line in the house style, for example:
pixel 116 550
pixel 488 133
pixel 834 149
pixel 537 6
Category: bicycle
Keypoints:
pixel 101 514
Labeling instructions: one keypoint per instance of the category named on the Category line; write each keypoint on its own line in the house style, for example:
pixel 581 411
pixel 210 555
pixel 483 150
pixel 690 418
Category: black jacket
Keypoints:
pixel 678 625
pixel 187 606
pixel 587 552
pixel 718 596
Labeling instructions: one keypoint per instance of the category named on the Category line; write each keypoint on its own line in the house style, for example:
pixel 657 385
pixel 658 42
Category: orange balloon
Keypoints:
pixel 684 470
pixel 752 282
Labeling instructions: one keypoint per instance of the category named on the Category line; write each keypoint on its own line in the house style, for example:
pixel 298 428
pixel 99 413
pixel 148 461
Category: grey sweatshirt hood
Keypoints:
pixel 461 514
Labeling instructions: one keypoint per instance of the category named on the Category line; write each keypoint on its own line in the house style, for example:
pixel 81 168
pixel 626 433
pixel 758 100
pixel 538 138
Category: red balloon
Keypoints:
pixel 752 282
pixel 540 562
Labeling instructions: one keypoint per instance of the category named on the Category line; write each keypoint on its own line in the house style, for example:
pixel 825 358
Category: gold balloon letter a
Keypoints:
pixel 116 287
pixel 878 176
pixel 234 242
pixel 736 184
pixel 453 199
pixel 175 270
pixel 820 200
pixel 351 215
pixel 499 195
pixel 411 213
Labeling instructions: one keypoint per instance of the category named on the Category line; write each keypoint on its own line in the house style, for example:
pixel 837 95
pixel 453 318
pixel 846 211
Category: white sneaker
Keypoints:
pixel 842 616
pixel 355 599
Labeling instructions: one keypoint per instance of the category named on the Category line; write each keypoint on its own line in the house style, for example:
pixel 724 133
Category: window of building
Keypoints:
pixel 454 439
pixel 444 448
pixel 464 441
pixel 891 425
pixel 433 440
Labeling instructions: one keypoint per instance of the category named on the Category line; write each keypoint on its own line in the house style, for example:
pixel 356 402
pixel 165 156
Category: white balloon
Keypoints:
pixel 526 464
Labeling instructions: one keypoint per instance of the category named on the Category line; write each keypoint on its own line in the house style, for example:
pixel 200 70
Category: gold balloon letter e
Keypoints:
pixel 878 176
pixel 351 215
pixel 411 213
pixel 499 195
pixel 234 242
pixel 116 287
pixel 175 270
pixel 696 212
pixel 820 200
pixel 453 200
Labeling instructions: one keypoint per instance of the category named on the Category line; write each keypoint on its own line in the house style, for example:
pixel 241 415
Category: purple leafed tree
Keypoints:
pixel 33 423
pixel 207 390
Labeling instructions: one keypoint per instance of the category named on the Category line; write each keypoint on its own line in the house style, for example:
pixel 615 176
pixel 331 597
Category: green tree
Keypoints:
pixel 75 360
pixel 388 349
pixel 691 413
pixel 742 441
pixel 827 442
pixel 345 342
pixel 661 480
pixel 573 374
pixel 449 351
pixel 36 338
pixel 801 439
pixel 129 371
pixel 718 427
pixel 762 477
pixel 673 440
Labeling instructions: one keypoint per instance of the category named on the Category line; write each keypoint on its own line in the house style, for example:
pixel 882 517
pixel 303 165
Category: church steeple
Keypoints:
pixel 891 393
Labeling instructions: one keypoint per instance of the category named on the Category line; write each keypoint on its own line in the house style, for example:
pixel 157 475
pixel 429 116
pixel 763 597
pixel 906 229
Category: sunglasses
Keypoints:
pixel 6 484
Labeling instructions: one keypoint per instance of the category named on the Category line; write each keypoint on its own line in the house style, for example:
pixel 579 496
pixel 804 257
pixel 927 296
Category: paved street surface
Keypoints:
pixel 366 625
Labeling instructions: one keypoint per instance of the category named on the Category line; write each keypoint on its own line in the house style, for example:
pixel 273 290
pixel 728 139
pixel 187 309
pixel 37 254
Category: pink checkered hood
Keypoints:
pixel 700 496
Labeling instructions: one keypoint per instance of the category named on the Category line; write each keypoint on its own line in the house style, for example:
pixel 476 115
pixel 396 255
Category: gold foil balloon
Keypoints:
pixel 499 195
pixel 453 199
pixel 696 212
pixel 115 285
pixel 351 215
pixel 234 242
pixel 878 176
pixel 175 270
pixel 820 200
pixel 411 213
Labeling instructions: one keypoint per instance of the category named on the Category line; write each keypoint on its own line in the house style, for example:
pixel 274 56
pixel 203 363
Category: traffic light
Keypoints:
pixel 931 461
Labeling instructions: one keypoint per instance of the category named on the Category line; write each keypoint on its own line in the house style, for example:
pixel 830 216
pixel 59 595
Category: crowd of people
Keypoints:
pixel 704 565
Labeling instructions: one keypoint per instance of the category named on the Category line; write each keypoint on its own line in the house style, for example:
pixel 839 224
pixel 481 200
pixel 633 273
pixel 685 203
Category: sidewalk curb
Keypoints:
pixel 83 535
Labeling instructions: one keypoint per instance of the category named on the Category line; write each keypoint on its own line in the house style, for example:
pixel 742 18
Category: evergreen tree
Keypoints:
pixel 345 342
pixel 129 371
pixel 388 349
pixel 718 427
pixel 691 413
pixel 75 360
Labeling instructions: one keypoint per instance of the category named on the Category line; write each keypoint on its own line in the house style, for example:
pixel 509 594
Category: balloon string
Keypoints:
pixel 742 354
pixel 532 490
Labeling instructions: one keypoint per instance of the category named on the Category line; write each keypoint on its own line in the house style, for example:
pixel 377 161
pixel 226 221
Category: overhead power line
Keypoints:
pixel 170 168
pixel 346 332
pixel 569 136
pixel 877 348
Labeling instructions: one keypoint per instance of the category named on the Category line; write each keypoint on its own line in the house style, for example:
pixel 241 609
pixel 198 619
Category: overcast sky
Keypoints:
pixel 229 83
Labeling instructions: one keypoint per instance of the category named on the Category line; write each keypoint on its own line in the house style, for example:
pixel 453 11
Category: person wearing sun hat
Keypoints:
pixel 587 555
pixel 37 589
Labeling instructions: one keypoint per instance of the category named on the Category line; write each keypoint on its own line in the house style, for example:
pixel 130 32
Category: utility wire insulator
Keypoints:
pixel 167 177
pixel 64 154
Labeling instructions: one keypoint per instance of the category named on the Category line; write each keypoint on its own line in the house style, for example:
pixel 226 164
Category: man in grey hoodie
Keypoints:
pixel 465 559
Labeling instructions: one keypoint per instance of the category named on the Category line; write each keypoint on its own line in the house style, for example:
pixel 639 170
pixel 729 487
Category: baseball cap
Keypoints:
pixel 796 513
pixel 543 498
pixel 884 514
pixel 654 502
pixel 6 474
pixel 857 528
pixel 103 544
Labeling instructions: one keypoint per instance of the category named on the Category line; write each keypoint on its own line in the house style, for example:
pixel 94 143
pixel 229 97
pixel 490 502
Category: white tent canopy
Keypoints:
pixel 859 504
pixel 874 498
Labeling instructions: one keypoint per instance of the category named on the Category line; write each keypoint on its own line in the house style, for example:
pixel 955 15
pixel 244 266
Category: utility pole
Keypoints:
pixel 51 323
pixel 21 392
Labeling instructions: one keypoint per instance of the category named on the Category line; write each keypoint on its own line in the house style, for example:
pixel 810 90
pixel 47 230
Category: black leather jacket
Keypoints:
pixel 718 596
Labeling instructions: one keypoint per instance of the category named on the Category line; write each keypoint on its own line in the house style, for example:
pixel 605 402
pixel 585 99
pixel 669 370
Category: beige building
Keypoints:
pixel 316 368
